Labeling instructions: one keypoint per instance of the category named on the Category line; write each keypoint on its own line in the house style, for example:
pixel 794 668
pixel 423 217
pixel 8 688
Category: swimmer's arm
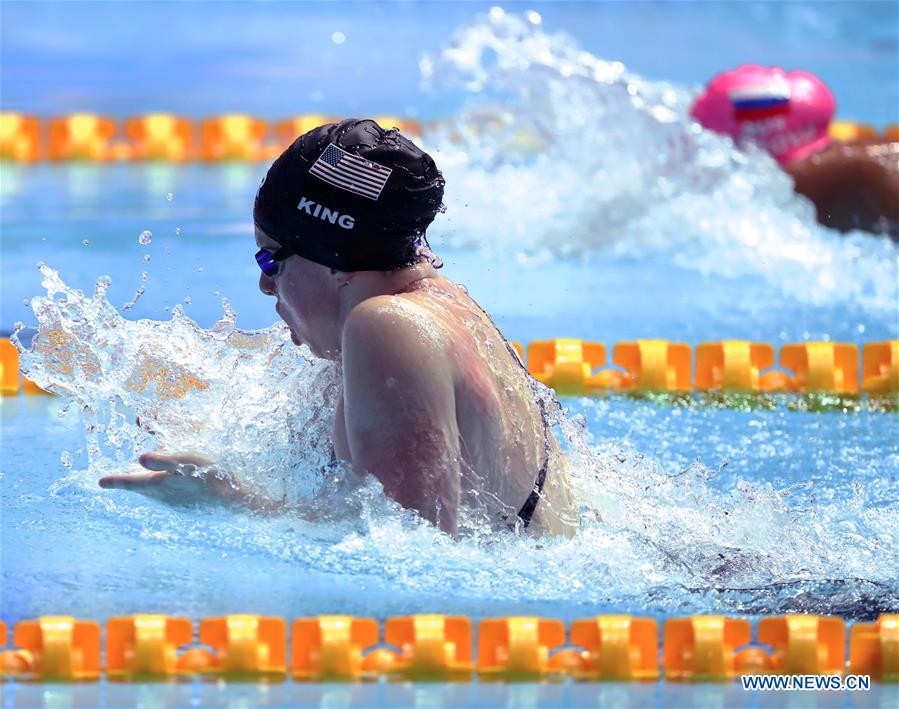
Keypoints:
pixel 173 479
pixel 400 412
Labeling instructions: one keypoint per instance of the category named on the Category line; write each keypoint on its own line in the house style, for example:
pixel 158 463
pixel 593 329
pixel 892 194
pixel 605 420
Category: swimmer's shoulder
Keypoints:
pixel 392 324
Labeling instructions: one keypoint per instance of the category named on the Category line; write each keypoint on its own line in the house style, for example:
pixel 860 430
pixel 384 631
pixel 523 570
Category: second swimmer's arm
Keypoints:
pixel 400 411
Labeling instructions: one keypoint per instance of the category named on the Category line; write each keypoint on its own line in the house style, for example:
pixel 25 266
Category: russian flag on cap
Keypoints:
pixel 761 100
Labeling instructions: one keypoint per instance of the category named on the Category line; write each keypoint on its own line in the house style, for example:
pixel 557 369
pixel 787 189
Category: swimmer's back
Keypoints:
pixel 504 440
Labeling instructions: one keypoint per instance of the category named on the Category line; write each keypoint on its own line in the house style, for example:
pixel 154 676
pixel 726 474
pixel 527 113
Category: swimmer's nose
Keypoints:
pixel 266 284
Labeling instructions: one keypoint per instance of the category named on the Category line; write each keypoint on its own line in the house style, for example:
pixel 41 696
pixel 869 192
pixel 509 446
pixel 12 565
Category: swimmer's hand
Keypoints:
pixel 183 480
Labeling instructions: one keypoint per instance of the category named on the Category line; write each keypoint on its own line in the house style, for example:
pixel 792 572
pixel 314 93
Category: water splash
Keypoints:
pixel 560 153
pixel 651 538
pixel 177 380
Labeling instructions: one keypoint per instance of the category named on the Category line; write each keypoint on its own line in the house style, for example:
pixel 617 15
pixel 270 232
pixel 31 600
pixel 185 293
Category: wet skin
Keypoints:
pixel 433 404
pixel 853 186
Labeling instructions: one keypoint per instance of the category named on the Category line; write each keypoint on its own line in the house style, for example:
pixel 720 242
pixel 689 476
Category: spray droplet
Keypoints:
pixel 338 37
pixel 178 231
pixel 26 302
pixel 169 197
pixel 86 242
pixel 200 269
pixel 534 17
pixel 137 294
pixel 145 238
pixel 188 300
pixel 146 257
pixel 66 460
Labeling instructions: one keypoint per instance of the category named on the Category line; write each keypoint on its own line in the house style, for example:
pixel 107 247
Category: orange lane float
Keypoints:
pixel 874 649
pixel 436 647
pixel 54 648
pixel 570 367
pixel 82 136
pixel 288 130
pixel 159 136
pixel 145 646
pixel 654 365
pixel 243 646
pixel 703 648
pixel 732 364
pixel 431 646
pixel 567 365
pixel 232 137
pixel 407 126
pixel 617 647
pixel 850 131
pixel 517 647
pixel 830 367
pixel 10 383
pixel 880 367
pixel 9 368
pixel 805 644
pixel 331 647
pixel 20 137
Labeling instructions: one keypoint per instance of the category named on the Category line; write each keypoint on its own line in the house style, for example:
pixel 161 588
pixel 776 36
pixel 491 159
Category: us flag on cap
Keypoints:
pixel 350 172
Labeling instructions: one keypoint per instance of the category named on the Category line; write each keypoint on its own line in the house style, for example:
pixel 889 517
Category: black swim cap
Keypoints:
pixel 351 196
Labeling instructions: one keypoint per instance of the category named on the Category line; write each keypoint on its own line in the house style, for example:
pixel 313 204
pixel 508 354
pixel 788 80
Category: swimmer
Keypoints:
pixel 853 186
pixel 435 403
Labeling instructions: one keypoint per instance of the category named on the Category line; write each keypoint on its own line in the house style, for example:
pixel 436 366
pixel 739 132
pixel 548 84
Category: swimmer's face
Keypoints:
pixel 307 300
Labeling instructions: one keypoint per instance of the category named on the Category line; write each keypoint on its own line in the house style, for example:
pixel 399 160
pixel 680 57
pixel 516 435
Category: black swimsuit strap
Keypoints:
pixel 527 509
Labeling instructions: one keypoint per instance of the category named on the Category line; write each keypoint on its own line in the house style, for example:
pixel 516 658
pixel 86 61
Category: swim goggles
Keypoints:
pixel 271 261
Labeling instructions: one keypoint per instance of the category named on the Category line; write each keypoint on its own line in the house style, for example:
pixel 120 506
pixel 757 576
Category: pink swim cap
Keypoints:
pixel 786 113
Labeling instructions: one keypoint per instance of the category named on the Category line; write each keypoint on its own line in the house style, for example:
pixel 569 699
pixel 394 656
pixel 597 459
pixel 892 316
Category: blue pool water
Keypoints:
pixel 641 226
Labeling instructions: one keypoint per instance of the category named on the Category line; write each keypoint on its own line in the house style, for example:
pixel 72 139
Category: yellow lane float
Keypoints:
pixel 145 646
pixel 732 365
pixel 874 649
pixel 619 648
pixel 20 137
pixel 616 648
pixel 232 137
pixel 517 648
pixel 82 136
pixel 431 646
pixel 159 136
pixel 567 365
pixel 849 131
pixel 703 648
pixel 243 646
pixel 331 647
pixel 880 367
pixel 805 644
pixel 821 367
pixel 654 365
pixel 573 368
pixel 54 648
